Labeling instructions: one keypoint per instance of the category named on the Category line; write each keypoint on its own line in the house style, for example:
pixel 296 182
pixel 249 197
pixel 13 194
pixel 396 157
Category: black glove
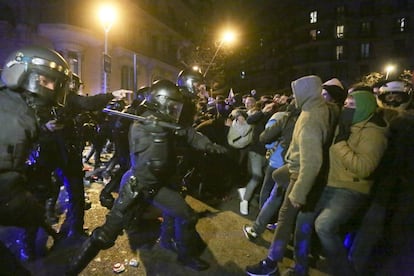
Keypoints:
pixel 344 125
pixel 343 133
pixel 214 148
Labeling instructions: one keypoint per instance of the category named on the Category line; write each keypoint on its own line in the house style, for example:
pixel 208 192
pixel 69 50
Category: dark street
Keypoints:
pixel 228 251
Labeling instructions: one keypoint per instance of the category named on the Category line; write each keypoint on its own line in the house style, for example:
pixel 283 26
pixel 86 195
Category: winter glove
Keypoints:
pixel 214 148
pixel 344 125
pixel 344 131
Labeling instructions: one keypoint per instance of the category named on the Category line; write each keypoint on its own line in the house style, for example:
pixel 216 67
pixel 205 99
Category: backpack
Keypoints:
pixel 239 135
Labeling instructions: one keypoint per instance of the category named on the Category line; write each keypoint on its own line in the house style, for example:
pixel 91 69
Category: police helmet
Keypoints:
pixel 188 80
pixel 166 98
pixel 142 93
pixel 395 94
pixel 39 70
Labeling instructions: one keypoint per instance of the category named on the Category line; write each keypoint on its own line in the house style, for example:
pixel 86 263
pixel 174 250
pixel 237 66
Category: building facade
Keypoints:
pixel 143 43
pixel 337 38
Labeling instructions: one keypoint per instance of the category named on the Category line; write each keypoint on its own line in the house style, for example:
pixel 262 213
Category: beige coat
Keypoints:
pixel 354 160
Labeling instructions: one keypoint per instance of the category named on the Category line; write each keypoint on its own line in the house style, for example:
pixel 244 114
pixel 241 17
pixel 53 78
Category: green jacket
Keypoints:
pixel 353 161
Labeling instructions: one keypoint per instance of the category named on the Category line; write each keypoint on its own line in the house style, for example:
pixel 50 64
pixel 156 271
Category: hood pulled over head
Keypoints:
pixel 307 90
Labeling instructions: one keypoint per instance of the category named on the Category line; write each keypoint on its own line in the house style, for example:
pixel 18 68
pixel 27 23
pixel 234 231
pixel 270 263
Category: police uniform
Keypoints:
pixel 152 150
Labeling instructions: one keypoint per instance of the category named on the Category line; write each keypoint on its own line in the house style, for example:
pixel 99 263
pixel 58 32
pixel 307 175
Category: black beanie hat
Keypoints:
pixel 336 90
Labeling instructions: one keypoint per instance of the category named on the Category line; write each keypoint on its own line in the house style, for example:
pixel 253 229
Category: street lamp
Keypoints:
pixel 388 70
pixel 107 18
pixel 227 37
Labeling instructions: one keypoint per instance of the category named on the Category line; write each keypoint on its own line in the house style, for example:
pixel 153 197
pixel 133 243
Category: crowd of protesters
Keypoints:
pixel 324 163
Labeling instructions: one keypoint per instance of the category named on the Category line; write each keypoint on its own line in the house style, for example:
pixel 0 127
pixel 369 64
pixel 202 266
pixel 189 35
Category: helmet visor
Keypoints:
pixel 170 107
pixel 49 89
pixel 394 98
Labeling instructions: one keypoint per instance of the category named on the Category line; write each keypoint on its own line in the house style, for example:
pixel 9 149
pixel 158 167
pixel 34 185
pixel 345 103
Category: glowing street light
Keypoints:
pixel 107 17
pixel 388 70
pixel 227 37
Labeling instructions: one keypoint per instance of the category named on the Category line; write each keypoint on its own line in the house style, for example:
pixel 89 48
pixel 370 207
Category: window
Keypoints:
pixel 401 24
pixel 314 34
pixel 313 17
pixel 74 62
pixel 340 11
pixel 366 27
pixel 340 31
pixel 365 50
pixel 339 52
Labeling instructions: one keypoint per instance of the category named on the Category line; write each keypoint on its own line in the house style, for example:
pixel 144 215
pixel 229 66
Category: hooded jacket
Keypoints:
pixel 313 131
pixel 353 161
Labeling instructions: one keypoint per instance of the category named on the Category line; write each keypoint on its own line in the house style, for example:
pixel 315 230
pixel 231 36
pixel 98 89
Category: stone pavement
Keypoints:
pixel 228 251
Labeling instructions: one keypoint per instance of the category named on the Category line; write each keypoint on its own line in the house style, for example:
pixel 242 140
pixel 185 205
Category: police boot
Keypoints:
pixel 193 262
pixel 87 252
pixel 106 199
pixel 190 260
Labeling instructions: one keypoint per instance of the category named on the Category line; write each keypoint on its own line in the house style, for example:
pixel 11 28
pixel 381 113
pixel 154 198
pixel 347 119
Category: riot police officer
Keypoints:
pixel 120 128
pixel 152 159
pixel 188 81
pixel 33 77
pixel 60 149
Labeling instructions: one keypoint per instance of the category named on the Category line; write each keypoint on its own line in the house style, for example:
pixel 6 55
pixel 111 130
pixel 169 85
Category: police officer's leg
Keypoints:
pixel 104 236
pixel 73 182
pixel 185 219
pixel 167 233
pixel 40 188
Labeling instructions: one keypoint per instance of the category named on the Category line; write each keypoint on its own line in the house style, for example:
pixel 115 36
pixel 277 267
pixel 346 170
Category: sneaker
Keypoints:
pixel 271 226
pixel 249 232
pixel 244 207
pixel 264 267
pixel 242 192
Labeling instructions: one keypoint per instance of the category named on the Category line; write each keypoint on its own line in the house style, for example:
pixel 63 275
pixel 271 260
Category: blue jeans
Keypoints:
pixel 337 207
pixel 292 219
pixel 273 202
pixel 285 225
pixel 257 162
pixel 267 186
